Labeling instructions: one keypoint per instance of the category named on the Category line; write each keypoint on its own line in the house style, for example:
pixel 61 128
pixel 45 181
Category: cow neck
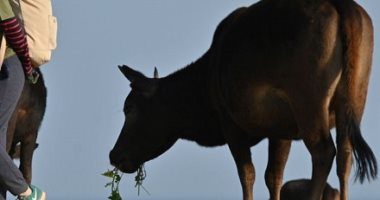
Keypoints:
pixel 184 88
pixel 184 91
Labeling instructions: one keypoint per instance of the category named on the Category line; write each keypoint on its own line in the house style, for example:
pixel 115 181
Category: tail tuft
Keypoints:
pixel 365 160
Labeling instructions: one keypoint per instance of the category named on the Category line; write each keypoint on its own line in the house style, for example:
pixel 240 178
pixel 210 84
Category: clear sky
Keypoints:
pixel 86 92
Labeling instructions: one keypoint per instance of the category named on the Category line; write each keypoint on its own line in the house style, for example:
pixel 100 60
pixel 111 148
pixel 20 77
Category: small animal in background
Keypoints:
pixel 24 125
pixel 298 190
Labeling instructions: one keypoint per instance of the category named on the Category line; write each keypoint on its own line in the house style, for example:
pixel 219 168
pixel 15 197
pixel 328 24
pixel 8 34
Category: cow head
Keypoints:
pixel 146 132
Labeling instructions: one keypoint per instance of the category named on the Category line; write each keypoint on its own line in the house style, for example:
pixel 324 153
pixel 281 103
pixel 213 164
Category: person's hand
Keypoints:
pixel 33 77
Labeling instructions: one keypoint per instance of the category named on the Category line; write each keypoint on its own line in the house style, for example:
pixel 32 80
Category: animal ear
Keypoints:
pixel 131 74
pixel 139 82
pixel 155 73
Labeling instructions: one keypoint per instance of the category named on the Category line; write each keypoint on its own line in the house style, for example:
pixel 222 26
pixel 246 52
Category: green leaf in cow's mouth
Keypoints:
pixel 114 184
pixel 115 175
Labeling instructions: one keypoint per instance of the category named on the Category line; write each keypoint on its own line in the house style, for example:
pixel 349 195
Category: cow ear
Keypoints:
pixel 155 73
pixel 131 74
pixel 139 82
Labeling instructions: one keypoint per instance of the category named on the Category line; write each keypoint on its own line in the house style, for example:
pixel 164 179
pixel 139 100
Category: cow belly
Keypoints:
pixel 264 111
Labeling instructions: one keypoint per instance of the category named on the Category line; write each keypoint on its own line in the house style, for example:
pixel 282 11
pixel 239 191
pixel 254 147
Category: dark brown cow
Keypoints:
pixel 24 125
pixel 280 69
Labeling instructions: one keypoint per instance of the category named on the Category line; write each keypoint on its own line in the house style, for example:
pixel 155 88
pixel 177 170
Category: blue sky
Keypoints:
pixel 86 92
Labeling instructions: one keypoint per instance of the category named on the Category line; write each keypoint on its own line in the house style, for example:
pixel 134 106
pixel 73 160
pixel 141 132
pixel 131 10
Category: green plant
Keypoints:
pixel 115 175
pixel 139 178
pixel 114 184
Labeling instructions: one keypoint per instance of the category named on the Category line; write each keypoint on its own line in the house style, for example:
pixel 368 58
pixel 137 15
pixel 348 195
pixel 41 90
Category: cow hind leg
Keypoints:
pixel 344 163
pixel 312 118
pixel 344 152
pixel 322 153
pixel 350 142
pixel 277 157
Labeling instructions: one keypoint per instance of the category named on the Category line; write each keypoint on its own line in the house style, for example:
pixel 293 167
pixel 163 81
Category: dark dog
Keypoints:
pixel 24 125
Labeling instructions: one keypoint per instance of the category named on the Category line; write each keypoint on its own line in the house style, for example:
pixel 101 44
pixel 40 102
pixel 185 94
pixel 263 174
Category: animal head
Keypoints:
pixel 146 130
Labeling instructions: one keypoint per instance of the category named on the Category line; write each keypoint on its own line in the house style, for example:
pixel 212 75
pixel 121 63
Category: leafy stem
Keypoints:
pixel 115 175
pixel 114 184
pixel 139 178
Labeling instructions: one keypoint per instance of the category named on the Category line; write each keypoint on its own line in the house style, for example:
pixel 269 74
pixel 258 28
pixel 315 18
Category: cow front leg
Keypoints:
pixel 242 156
pixel 277 157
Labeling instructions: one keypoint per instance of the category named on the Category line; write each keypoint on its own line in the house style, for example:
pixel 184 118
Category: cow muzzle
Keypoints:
pixel 123 164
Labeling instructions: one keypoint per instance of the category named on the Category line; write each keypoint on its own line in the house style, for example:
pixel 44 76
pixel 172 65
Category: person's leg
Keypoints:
pixel 11 87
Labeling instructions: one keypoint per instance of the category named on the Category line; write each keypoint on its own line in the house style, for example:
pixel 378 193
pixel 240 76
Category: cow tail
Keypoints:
pixel 350 23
